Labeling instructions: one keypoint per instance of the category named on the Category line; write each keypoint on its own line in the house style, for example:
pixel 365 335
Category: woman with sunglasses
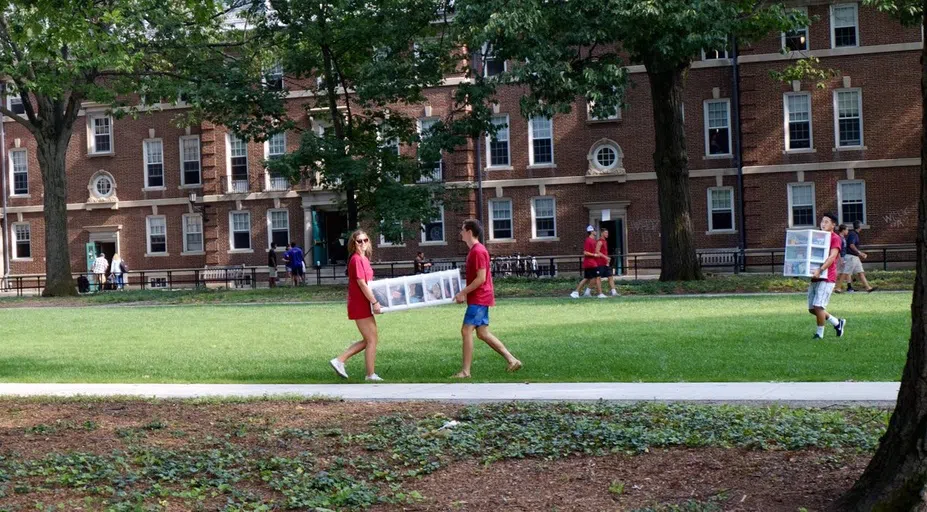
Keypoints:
pixel 362 305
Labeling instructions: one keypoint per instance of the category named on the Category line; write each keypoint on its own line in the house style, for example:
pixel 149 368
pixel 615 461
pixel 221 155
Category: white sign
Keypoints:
pixel 418 291
pixel 805 251
pixel 606 215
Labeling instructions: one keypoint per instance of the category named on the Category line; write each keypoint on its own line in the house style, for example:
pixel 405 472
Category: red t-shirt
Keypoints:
pixel 603 261
pixel 835 243
pixel 589 246
pixel 477 259
pixel 358 305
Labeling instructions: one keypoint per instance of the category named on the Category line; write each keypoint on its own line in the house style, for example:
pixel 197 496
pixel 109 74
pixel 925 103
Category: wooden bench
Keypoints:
pixel 234 275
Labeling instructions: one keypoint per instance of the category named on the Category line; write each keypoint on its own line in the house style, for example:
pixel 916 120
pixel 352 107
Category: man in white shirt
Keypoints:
pixel 100 265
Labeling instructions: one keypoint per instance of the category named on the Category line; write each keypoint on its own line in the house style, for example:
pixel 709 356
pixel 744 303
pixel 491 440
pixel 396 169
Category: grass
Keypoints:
pixel 505 288
pixel 762 338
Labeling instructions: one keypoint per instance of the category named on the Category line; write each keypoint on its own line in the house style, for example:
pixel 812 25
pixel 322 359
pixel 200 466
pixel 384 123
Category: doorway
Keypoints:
pixel 107 248
pixel 615 242
pixel 335 229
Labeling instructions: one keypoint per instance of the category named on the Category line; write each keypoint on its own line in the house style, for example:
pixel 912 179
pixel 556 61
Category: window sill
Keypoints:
pixel 500 168
pixel 545 239
pixel 198 185
pixel 799 151
pixel 20 196
pixel 501 241
pixel 850 148
pixel 95 155
pixel 432 244
pixel 154 189
pixel 847 46
pixel 718 157
pixel 157 255
pixel 542 166
pixel 24 260
pixel 194 253
pixel 241 251
pixel 804 227
pixel 722 232
pixel 387 246
pixel 591 120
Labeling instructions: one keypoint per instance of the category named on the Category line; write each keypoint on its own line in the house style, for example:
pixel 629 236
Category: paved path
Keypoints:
pixel 798 393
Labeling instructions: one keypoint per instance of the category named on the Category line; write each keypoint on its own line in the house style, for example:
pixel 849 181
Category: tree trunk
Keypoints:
pixel 678 261
pixel 51 154
pixel 897 474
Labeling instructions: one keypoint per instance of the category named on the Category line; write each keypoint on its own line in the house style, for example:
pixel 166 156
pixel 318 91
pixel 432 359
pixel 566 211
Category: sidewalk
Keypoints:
pixel 817 394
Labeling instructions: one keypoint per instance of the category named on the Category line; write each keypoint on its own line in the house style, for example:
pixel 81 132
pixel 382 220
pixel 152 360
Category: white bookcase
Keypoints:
pixel 805 251
pixel 420 290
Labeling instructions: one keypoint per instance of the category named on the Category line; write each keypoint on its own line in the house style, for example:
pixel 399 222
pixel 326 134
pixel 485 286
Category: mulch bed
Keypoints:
pixel 745 480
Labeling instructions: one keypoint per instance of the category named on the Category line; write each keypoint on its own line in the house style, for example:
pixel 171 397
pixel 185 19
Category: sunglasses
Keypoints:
pixel 362 240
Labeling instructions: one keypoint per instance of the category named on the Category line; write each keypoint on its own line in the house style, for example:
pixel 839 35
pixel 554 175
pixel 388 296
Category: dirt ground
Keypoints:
pixel 738 480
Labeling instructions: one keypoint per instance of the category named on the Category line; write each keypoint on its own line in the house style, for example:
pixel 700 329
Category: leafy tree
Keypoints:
pixel 58 54
pixel 565 50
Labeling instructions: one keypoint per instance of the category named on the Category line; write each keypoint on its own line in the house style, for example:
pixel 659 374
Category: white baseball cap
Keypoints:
pixel 590 229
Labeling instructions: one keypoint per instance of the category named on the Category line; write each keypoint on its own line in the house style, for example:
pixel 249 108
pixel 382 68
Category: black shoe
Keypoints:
pixel 840 326
pixel 816 337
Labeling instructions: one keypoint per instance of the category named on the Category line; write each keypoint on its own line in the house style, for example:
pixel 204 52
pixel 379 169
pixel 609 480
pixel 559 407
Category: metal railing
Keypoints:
pixel 882 257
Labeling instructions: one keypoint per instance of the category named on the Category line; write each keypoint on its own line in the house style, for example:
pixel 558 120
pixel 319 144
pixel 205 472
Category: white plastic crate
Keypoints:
pixel 805 251
pixel 418 291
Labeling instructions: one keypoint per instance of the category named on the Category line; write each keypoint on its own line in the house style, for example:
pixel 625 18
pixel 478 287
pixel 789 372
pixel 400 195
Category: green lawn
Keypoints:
pixel 760 338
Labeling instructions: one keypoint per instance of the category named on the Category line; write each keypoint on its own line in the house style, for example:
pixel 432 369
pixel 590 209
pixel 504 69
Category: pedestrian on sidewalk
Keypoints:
pixel 479 296
pixel 295 260
pixel 118 270
pixel 853 262
pixel 100 265
pixel 822 287
pixel 362 305
pixel 590 265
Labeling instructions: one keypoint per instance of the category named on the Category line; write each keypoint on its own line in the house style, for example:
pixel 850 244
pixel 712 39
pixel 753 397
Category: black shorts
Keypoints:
pixel 591 273
pixel 605 271
pixel 297 271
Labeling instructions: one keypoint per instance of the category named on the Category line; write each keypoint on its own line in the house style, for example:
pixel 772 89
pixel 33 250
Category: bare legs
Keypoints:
pixel 368 330
pixel 482 332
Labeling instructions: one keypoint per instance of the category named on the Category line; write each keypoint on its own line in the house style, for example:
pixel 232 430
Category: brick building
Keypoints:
pixel 851 148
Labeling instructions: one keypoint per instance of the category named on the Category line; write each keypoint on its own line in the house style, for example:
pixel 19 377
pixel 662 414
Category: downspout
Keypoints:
pixel 479 163
pixel 6 226
pixel 738 153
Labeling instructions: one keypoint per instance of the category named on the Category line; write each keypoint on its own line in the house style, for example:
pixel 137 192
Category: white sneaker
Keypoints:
pixel 574 295
pixel 614 293
pixel 588 293
pixel 338 366
pixel 602 296
pixel 373 378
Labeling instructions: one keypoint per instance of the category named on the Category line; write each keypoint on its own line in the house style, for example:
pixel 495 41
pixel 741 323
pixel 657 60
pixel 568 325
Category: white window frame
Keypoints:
pixel 814 206
pixel 186 247
pixel 729 153
pixel 833 27
pixel 268 155
pixel 440 166
pixel 840 185
pixel 272 71
pixel 508 143
pixel 199 161
pixel 733 228
pixel 492 228
pixel 486 56
pixel 836 105
pixel 531 162
pixel 145 165
pixel 228 161
pixel 232 248
pixel 9 102
pixel 443 240
pixel 400 243
pixel 805 29
pixel 92 138
pixel 727 55
pixel 148 220
pixel 589 117
pixel 270 225
pixel 534 224
pixel 15 241
pixel 787 122
pixel 13 192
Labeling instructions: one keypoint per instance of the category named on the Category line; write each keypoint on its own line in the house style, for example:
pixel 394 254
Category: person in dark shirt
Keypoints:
pixel 272 265
pixel 853 263
pixel 420 264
